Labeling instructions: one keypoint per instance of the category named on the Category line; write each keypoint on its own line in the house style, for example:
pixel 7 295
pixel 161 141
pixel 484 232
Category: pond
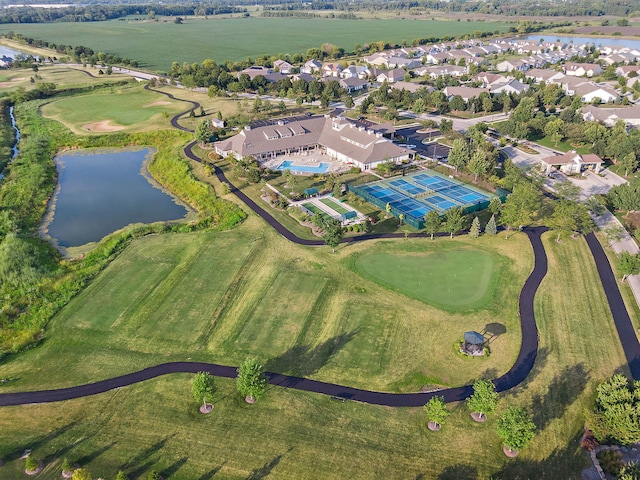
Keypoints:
pixel 100 191
pixel 8 52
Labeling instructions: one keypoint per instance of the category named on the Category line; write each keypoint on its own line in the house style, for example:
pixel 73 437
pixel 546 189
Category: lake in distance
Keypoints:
pixel 100 191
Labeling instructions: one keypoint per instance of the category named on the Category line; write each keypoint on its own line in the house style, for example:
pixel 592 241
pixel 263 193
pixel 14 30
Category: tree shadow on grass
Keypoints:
pixel 173 468
pixel 459 472
pixel 492 331
pixel 211 473
pixel 564 462
pixel 265 470
pixel 563 390
pixel 38 442
pixel 86 459
pixel 144 455
pixel 303 360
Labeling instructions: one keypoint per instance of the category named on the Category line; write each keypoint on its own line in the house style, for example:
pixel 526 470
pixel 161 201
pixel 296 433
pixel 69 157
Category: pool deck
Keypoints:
pixel 308 159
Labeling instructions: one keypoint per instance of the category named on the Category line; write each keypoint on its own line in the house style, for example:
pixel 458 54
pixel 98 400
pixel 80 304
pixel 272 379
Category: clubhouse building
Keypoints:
pixel 337 138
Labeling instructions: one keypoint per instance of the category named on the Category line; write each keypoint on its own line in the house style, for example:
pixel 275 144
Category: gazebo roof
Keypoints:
pixel 474 338
pixel 311 191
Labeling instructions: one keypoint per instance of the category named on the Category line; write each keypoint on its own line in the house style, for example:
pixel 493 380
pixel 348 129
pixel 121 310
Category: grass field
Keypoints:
pixel 329 202
pixel 453 280
pixel 236 38
pixel 129 109
pixel 289 434
pixel 60 75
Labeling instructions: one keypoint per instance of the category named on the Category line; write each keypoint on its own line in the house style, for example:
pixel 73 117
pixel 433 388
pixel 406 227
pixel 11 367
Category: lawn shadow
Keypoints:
pixel 459 472
pixel 265 470
pixel 86 459
pixel 144 455
pixel 38 442
pixel 173 468
pixel 561 463
pixel 140 470
pixel 563 390
pixel 492 331
pixel 211 473
pixel 303 360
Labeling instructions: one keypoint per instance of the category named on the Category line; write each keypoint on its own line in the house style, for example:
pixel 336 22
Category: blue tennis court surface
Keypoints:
pixel 416 194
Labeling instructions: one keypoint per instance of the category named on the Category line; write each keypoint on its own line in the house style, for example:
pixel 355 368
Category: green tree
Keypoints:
pixel 432 222
pixel 203 132
pixel 628 264
pixel 479 164
pixel 491 228
pixel 553 129
pixel 616 416
pixel 31 463
pixel 516 428
pixel 446 126
pixel 567 191
pixel 66 465
pixel 457 103
pixel 203 387
pixel 251 381
pixel 629 163
pixel 459 154
pixel 81 474
pixel 474 231
pixel 595 131
pixel 495 206
pixel 563 219
pixel 436 410
pixel 333 233
pixel 625 196
pixel 484 399
pixel 289 178
pixel 454 220
pixel 153 475
pixel 521 206
pixel 401 218
pixel 121 475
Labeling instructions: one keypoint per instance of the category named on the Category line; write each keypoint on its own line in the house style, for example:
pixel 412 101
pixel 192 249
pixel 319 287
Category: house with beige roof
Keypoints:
pixel 582 69
pixel 610 116
pixel 335 137
pixel 572 163
pixel 466 93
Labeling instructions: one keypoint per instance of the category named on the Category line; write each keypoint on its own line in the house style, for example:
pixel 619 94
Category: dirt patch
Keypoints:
pixel 11 82
pixel 632 219
pixel 159 103
pixel 102 127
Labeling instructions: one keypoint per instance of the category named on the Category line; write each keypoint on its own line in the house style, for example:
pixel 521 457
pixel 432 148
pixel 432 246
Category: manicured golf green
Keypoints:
pixel 120 109
pixel 237 38
pixel 452 280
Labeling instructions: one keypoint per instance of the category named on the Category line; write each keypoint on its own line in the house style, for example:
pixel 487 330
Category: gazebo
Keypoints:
pixel 473 344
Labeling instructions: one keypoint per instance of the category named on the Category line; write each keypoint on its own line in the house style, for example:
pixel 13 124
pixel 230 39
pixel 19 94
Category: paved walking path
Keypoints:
pixel 518 372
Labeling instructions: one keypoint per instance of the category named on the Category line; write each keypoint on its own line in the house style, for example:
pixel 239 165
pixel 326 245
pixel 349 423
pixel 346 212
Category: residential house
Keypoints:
pixel 544 75
pixel 625 71
pixel 353 84
pixel 406 63
pixel 410 87
pixel 435 71
pixel 256 70
pixel 331 69
pixel 610 116
pixel 589 92
pixel 466 93
pixel 355 71
pixel 572 163
pixel 582 69
pixel 512 65
pixel 391 76
pixel 283 66
pixel 509 86
pixel 311 66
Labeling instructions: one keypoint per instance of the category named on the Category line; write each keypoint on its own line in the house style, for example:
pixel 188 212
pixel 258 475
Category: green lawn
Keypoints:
pixel 332 204
pixel 61 76
pixel 562 146
pixel 236 38
pixel 452 280
pixel 357 332
pixel 123 108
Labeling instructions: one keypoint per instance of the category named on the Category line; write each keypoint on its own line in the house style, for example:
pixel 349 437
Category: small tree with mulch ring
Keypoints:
pixel 483 401
pixel 251 382
pixel 67 468
pixel 203 387
pixel 437 413
pixel 32 466
pixel 516 429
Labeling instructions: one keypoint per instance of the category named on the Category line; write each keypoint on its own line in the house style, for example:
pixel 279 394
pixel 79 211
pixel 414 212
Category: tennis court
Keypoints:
pixel 416 194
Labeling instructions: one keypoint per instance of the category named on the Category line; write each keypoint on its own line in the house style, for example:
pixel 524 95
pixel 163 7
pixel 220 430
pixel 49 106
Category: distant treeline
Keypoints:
pixel 96 13
pixel 303 14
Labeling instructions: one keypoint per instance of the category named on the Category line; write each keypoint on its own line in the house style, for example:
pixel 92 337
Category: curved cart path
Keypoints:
pixel 518 372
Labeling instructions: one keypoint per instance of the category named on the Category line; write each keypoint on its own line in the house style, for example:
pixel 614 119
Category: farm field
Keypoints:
pixel 237 38
pixel 129 108
pixel 155 425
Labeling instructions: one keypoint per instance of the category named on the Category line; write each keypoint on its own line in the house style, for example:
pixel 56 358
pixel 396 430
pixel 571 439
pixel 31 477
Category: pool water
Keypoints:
pixel 290 165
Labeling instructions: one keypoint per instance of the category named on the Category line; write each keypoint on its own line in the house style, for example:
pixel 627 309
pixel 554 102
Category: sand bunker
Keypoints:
pixel 102 127
pixel 157 104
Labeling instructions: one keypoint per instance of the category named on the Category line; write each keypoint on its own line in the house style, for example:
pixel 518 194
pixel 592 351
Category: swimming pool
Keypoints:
pixel 289 165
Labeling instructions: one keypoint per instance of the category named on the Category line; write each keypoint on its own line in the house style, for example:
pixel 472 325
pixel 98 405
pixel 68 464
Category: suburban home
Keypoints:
pixel 544 75
pixel 378 59
pixel 406 63
pixel 335 137
pixel 391 76
pixel 331 69
pixel 256 70
pixel 466 93
pixel 512 65
pixel 610 116
pixel 353 84
pixel 571 163
pixel 355 71
pixel 303 76
pixel 509 86
pixel 488 79
pixel 582 69
pixel 588 92
pixel 436 58
pixel 626 70
pixel 410 87
pixel 283 66
pixel 435 71
pixel 311 66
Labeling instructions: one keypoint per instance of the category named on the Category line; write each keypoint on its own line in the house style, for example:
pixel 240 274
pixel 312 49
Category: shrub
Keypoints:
pixel 610 461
